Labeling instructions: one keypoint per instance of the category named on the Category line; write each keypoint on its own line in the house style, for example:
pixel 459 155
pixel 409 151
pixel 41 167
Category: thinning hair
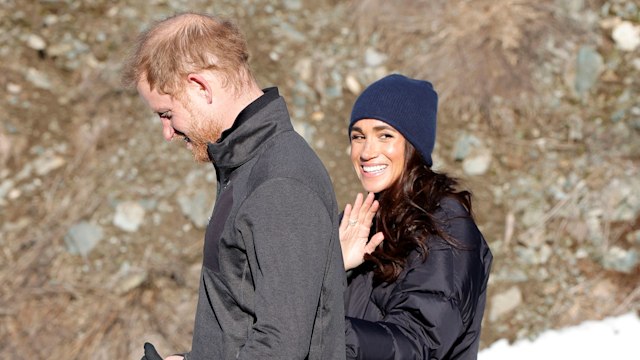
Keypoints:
pixel 186 43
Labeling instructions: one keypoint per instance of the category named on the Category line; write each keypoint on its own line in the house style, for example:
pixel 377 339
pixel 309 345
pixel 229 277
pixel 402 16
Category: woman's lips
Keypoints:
pixel 373 169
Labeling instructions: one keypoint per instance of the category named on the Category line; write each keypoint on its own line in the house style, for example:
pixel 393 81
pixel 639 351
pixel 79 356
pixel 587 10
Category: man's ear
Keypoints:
pixel 202 85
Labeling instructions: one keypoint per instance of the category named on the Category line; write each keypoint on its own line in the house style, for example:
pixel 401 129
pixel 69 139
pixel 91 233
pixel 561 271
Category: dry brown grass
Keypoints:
pixel 55 305
pixel 36 307
pixel 59 306
pixel 49 308
pixel 475 49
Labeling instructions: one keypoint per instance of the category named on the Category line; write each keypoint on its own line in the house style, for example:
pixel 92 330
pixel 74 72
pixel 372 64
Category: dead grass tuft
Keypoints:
pixel 475 50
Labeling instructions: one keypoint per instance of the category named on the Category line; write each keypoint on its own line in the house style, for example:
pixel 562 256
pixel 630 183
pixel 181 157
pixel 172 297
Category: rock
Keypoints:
pixel 504 303
pixel 291 33
pixel 603 289
pixel 25 173
pixel 38 79
pixel 304 68
pixel 302 91
pixel 477 163
pixel 196 205
pixel 626 36
pixel 353 85
pixel 128 278
pixel 69 51
pixel 594 229
pixel 14 194
pixel 101 36
pixel 544 254
pixel 533 216
pixel 576 125
pixel 620 260
pixel 464 145
pixel 5 187
pixel 14 88
pixel 83 237
pixel 17 225
pixel 6 149
pixel 332 92
pixel 306 130
pixel 317 116
pixel 60 49
pixel 510 275
pixel 50 19
pixel 573 6
pixel 374 58
pixel 36 42
pixel 589 65
pixel 47 163
pixel 622 194
pixel 129 216
pixel 634 237
pixel 533 255
pixel 293 5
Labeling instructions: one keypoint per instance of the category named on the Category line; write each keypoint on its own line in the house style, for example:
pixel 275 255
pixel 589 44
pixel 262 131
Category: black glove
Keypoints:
pixel 150 353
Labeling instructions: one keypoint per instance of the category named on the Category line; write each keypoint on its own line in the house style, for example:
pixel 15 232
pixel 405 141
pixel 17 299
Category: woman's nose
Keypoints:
pixel 369 150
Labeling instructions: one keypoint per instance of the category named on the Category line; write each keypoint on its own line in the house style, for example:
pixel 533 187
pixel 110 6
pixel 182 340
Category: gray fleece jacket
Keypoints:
pixel 272 278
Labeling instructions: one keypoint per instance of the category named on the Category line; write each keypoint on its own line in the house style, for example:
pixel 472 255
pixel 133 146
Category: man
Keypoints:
pixel 272 276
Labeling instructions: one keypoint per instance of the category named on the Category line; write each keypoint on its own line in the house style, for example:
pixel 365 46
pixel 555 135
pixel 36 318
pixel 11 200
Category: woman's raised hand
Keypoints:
pixel 355 228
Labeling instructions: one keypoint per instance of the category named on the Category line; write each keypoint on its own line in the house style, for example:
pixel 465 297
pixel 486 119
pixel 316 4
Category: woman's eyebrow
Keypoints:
pixel 383 127
pixel 375 128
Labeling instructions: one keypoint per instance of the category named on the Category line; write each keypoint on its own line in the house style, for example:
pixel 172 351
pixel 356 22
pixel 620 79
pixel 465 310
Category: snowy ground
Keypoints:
pixel 612 338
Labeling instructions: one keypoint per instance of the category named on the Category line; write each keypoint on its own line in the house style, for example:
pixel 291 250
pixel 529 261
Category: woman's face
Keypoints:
pixel 377 154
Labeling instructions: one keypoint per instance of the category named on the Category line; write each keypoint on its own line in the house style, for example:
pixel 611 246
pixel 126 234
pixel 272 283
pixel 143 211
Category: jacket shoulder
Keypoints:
pixel 288 155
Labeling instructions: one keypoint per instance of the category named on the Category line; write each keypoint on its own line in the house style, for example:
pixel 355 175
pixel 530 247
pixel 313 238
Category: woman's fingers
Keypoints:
pixel 375 241
pixel 345 217
pixel 371 212
pixel 354 215
pixel 361 212
pixel 368 210
pixel 355 226
pixel 357 204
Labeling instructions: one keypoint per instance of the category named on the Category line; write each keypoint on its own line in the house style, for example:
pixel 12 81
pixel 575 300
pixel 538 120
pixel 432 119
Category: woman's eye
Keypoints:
pixel 165 115
pixel 356 137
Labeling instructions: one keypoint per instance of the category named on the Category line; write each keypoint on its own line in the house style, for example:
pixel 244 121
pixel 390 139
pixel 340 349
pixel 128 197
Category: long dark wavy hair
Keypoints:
pixel 406 215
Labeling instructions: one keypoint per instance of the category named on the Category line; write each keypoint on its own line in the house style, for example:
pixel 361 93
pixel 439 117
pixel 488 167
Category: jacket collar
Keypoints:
pixel 262 119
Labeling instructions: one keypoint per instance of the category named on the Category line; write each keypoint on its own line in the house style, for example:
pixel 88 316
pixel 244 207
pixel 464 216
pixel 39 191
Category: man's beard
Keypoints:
pixel 202 132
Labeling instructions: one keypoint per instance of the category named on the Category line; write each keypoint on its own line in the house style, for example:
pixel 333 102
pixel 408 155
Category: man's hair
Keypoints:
pixel 186 43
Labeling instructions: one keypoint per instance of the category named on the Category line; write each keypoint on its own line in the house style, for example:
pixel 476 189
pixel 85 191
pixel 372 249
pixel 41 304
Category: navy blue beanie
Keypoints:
pixel 409 105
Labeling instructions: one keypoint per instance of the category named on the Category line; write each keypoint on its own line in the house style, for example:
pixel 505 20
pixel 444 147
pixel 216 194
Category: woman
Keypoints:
pixel 421 293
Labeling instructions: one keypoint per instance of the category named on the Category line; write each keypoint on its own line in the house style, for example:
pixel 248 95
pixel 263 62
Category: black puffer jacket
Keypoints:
pixel 434 309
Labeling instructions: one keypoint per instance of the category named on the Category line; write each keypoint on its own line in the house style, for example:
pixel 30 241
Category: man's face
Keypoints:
pixel 183 119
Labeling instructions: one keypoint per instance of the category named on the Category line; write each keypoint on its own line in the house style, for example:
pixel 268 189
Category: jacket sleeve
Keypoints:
pixel 418 317
pixel 429 308
pixel 287 232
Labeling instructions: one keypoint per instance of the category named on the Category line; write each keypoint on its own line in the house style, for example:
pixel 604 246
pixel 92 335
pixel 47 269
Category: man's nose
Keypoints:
pixel 167 129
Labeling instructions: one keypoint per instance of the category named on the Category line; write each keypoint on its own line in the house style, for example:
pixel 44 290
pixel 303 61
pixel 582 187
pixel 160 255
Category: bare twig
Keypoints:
pixel 632 297
pixel 575 192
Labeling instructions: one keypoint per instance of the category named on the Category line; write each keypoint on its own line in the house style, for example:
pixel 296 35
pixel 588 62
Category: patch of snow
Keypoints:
pixel 611 338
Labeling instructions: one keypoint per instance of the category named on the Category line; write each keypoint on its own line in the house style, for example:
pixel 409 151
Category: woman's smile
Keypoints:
pixel 377 154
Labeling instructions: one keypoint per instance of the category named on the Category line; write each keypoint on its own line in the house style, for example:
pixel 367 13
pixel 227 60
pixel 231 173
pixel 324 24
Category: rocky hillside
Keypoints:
pixel 101 221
